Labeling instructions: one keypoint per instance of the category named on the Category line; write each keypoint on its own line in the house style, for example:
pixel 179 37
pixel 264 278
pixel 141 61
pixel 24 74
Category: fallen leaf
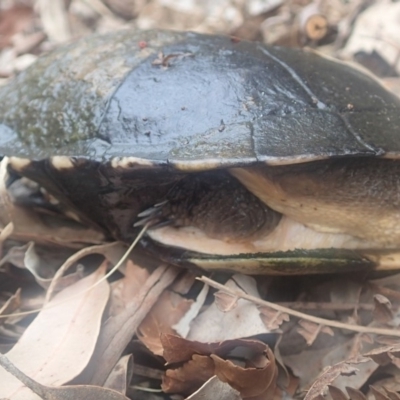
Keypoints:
pixel 249 381
pixel 383 309
pixel 255 376
pixel 168 310
pixel 59 393
pixel 336 393
pixel 121 375
pixel 118 330
pixel 59 343
pixel 330 374
pixel 215 389
pixel 273 319
pixel 213 325
pixel 12 304
pixel 182 327
pixel 378 394
pixel 355 394
pixel 310 331
pixel 190 377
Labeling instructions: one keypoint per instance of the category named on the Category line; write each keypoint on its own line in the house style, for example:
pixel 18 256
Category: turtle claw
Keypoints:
pixel 151 216
pixel 152 210
pixel 141 222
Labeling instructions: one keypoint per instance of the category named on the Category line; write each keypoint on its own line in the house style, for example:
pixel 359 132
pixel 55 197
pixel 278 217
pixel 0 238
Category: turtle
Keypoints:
pixel 235 155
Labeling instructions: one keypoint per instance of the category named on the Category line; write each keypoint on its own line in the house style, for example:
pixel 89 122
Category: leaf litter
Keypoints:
pixel 149 330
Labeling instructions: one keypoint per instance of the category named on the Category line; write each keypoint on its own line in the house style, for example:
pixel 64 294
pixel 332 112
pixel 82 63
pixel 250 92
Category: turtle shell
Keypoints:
pixel 111 123
pixel 194 102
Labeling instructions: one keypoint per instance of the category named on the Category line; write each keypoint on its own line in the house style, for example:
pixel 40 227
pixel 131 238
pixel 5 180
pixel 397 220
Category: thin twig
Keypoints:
pixel 311 318
pixel 325 306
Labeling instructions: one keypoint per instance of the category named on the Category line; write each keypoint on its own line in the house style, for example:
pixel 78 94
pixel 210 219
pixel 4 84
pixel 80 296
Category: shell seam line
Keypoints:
pixel 319 103
pixel 253 145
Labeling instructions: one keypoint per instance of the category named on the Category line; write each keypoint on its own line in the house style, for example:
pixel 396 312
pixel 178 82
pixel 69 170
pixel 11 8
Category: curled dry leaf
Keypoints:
pixel 255 376
pixel 190 376
pixel 249 381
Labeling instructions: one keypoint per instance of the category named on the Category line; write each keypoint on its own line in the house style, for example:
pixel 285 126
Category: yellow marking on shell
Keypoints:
pixel 276 161
pixel 130 162
pixel 387 261
pixel 19 164
pixel 62 162
pixel 392 155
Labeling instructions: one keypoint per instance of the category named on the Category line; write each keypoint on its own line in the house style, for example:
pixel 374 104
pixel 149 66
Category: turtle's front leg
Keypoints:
pixel 217 204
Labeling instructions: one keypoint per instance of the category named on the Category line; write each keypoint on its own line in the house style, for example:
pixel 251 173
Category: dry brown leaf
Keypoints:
pixel 127 288
pixel 59 343
pixel 378 394
pixel 59 393
pixel 168 310
pixel 44 274
pixel 355 394
pixel 111 252
pixel 225 301
pixel 254 378
pixel 213 325
pixel 12 304
pixel 118 330
pixel 336 393
pixel 383 309
pixel 391 394
pixel 121 375
pixel 309 363
pixel 178 349
pixel 215 389
pixel 310 331
pixel 330 374
pixel 273 319
pixel 182 327
pixel 384 355
pixel 184 283
pixel 249 381
pixel 190 377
